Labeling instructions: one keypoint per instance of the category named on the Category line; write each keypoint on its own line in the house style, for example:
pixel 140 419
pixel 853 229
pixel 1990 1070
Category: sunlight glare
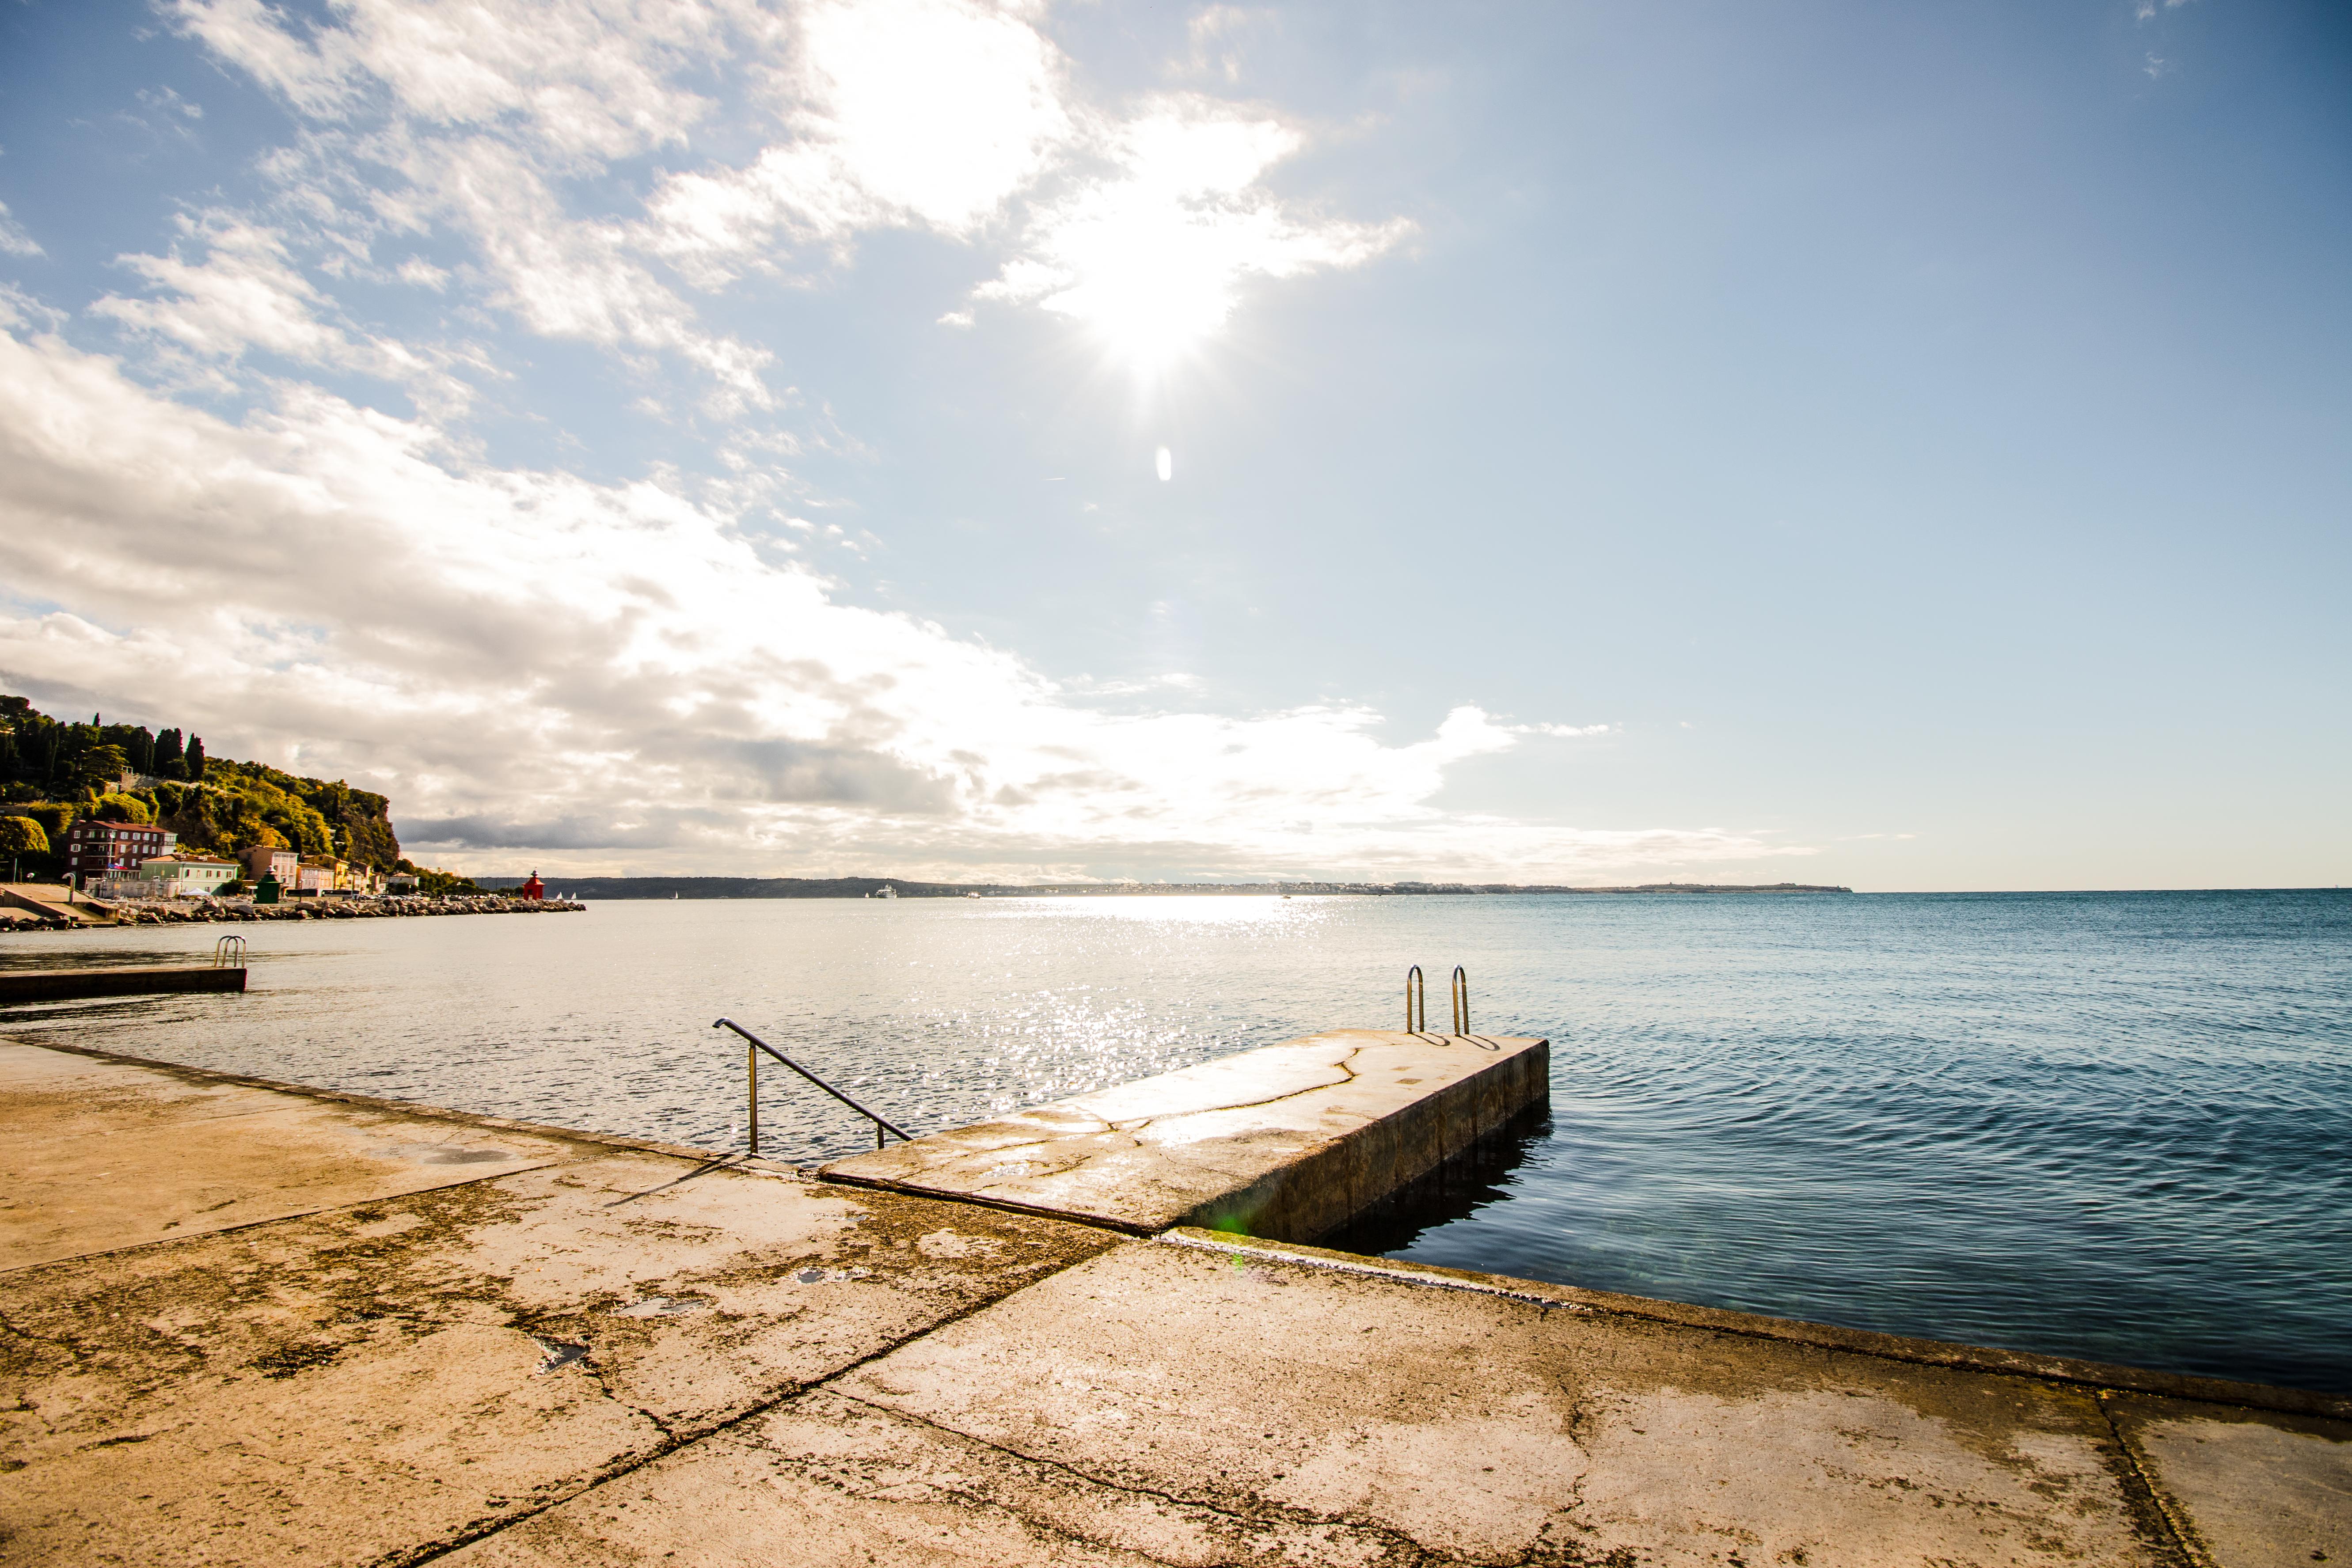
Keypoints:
pixel 1152 260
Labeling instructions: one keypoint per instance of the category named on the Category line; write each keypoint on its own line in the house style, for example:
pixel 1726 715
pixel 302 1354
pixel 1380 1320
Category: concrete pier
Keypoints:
pixel 51 902
pixel 1284 1141
pixel 242 1323
pixel 68 985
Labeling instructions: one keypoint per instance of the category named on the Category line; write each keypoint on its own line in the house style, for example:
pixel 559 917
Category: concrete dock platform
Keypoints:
pixel 588 1352
pixel 116 980
pixel 1285 1140
pixel 51 902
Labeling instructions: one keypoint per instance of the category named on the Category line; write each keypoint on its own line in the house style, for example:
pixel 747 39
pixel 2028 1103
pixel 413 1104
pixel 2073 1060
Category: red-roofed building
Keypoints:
pixel 96 849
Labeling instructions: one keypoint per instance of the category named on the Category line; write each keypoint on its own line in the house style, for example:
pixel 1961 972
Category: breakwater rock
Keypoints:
pixel 219 912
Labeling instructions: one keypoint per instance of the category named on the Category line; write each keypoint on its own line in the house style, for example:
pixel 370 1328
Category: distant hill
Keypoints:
pixel 862 887
pixel 54 771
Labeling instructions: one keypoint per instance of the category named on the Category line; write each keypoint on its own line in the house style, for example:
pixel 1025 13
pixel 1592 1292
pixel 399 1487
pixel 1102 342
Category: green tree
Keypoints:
pixel 54 817
pixel 195 757
pixel 25 848
pixel 123 808
pixel 168 762
pixel 100 767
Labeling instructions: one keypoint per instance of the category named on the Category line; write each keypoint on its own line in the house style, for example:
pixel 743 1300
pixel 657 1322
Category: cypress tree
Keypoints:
pixel 195 757
pixel 167 754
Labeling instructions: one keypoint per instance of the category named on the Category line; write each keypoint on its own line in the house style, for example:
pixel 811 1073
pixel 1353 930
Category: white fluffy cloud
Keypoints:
pixel 614 675
pixel 901 113
pixel 956 116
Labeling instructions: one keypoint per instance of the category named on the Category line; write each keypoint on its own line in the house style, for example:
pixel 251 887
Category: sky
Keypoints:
pixel 1907 447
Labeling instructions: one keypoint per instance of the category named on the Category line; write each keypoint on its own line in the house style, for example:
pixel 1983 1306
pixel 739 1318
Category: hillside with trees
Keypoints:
pixel 54 771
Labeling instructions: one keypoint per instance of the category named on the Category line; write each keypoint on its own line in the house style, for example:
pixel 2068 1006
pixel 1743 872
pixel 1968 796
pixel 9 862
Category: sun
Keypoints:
pixel 1144 283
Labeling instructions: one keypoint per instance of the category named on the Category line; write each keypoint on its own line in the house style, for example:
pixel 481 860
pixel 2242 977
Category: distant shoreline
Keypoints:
pixel 866 886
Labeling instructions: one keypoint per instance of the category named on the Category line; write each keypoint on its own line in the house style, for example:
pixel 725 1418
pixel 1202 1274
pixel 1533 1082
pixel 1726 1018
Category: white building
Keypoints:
pixel 190 878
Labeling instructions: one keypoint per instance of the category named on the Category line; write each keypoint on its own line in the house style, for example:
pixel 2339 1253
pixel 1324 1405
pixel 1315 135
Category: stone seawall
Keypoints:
pixel 193 911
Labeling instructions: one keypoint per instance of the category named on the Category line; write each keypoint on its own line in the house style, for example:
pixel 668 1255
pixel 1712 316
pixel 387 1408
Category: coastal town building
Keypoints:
pixel 269 861
pixel 95 851
pixel 315 875
pixel 401 884
pixel 190 876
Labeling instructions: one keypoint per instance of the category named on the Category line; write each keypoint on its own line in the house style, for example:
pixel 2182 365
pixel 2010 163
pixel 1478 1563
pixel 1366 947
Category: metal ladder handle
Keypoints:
pixel 752 1070
pixel 1415 987
pixel 1461 988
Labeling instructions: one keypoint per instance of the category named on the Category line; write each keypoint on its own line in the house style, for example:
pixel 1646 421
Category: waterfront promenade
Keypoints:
pixel 246 1324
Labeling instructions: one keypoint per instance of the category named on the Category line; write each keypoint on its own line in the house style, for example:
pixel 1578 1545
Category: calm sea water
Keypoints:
pixel 2107 1125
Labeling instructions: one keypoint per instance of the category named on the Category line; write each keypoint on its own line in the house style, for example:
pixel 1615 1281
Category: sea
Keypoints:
pixel 2108 1125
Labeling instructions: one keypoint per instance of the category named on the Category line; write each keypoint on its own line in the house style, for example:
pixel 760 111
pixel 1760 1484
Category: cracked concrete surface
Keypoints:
pixel 1481 1428
pixel 2244 1487
pixel 1285 1140
pixel 624 1357
pixel 372 1381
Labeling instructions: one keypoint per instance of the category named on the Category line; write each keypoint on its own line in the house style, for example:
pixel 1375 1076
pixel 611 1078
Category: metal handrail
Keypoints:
pixel 1415 987
pixel 754 1045
pixel 228 948
pixel 1461 988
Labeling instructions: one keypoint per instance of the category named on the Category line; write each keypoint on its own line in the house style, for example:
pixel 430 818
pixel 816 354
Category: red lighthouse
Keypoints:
pixel 532 888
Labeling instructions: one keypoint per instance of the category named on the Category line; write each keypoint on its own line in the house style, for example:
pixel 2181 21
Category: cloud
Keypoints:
pixel 1564 731
pixel 572 79
pixel 903 113
pixel 247 293
pixel 487 118
pixel 617 675
pixel 645 673
pixel 13 237
pixel 1152 255
pixel 472 114
pixel 244 294
pixel 1216 33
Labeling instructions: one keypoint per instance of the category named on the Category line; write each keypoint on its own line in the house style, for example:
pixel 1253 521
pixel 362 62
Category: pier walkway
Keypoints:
pixel 243 1324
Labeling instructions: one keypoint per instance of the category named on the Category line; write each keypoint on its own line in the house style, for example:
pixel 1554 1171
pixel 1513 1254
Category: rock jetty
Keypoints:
pixel 207 911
